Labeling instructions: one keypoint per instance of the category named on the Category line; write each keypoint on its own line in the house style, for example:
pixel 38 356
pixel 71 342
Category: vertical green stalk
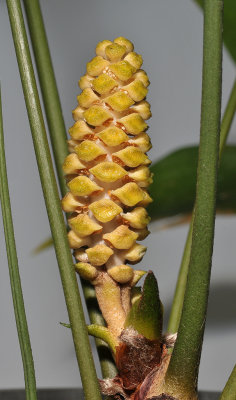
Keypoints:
pixel 58 137
pixel 49 186
pixel 52 105
pixel 178 300
pixel 17 295
pixel 182 373
pixel 229 392
pixel 228 118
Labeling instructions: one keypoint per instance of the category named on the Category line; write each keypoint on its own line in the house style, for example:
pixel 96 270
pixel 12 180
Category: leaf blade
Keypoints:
pixel 229 392
pixel 146 315
pixel 174 187
pixel 229 24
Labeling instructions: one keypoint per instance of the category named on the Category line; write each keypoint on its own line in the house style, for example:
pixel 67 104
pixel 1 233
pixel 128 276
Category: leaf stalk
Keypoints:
pixel 182 373
pixel 47 80
pixel 16 289
pixel 50 191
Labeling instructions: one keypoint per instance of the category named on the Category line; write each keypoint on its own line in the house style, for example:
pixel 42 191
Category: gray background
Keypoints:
pixel 168 33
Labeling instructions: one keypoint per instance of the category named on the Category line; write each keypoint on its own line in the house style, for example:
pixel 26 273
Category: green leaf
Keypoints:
pixel 65 325
pixel 46 244
pixel 174 187
pixel 229 392
pixel 229 32
pixel 146 313
pixel 229 23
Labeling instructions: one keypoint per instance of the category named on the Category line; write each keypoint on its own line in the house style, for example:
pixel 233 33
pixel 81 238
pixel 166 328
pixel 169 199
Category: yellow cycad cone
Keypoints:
pixel 108 175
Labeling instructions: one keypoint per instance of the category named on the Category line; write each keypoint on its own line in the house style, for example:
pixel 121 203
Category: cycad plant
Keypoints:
pixel 104 184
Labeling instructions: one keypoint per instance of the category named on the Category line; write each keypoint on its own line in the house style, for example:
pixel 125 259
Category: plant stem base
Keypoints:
pixel 72 394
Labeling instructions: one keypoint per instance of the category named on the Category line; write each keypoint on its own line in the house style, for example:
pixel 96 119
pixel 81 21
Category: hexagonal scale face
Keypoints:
pixel 108 171
pixel 105 210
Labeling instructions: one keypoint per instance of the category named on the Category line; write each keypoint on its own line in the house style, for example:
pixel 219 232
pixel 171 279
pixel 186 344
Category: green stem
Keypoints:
pixel 178 300
pixel 182 373
pixel 58 137
pixel 229 392
pixel 57 224
pixel 103 333
pixel 52 105
pixel 228 118
pixel 17 295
